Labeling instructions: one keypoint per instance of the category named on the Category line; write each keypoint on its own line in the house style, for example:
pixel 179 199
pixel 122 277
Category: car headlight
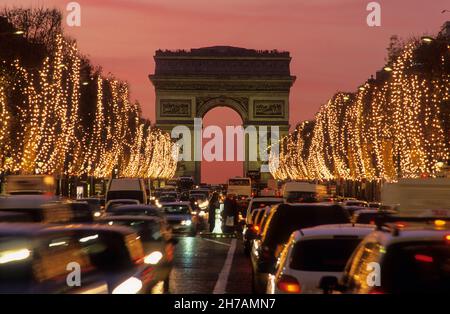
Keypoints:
pixel 97 214
pixel 153 258
pixel 130 286
pixel 186 222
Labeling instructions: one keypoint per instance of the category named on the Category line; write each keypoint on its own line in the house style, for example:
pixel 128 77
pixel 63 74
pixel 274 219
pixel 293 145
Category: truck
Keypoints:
pixel 418 197
pixel 30 185
pixel 294 192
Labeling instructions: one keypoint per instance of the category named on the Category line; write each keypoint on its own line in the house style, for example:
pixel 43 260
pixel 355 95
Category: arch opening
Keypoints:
pixel 213 171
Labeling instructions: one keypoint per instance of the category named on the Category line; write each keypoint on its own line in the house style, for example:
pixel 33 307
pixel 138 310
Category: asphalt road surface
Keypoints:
pixel 210 265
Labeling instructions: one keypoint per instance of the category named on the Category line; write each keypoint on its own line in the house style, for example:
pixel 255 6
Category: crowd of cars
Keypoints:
pixel 344 245
pixel 300 241
pixel 120 243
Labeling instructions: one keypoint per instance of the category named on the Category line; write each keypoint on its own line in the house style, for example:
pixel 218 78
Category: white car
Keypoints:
pixel 314 253
pixel 260 202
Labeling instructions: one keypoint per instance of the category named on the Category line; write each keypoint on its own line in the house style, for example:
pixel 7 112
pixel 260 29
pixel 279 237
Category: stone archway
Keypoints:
pixel 188 84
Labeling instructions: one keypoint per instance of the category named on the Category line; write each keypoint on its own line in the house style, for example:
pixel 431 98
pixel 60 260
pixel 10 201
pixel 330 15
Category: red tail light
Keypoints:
pixel 288 284
pixel 423 258
pixel 255 228
pixel 447 238
pixel 376 290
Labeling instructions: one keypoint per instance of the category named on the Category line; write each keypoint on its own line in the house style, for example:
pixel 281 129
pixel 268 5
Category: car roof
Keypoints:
pixel 360 230
pixel 32 229
pixel 412 232
pixel 266 199
pixel 176 203
pixel 375 211
pixel 130 217
pixel 134 206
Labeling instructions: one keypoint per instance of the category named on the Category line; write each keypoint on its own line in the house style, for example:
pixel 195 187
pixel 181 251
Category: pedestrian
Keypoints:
pixel 229 214
pixel 213 205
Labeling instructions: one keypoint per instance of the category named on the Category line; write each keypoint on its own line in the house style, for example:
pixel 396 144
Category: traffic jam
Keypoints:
pixel 185 238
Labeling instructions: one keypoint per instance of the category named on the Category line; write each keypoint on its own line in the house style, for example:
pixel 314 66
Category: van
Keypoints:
pixel 126 188
pixel 302 192
pixel 30 185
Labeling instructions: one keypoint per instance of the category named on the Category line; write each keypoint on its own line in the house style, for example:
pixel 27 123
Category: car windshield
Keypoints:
pixel 417 267
pixel 286 219
pixel 329 255
pixel 301 197
pixel 176 209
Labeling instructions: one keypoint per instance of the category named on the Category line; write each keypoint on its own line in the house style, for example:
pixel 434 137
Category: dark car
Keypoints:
pixel 370 216
pixel 39 258
pixel 179 215
pixel 97 205
pixel 82 212
pixel 157 241
pixel 134 210
pixel 281 222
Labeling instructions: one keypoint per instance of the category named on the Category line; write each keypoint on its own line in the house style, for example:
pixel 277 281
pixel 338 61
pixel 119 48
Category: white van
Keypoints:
pixel 298 192
pixel 126 188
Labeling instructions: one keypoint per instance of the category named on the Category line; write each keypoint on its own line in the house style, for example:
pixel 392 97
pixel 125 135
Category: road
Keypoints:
pixel 210 265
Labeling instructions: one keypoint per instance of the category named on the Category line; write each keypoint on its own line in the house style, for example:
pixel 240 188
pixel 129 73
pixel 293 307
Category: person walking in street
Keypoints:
pixel 213 205
pixel 229 214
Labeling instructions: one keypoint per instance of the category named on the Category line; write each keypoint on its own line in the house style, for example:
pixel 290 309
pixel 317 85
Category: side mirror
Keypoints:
pixel 328 284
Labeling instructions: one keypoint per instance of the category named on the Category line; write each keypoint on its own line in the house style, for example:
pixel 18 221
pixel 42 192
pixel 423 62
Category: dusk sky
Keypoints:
pixel 331 45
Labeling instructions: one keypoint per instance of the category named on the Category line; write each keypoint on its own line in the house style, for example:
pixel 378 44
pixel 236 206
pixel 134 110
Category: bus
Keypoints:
pixel 241 187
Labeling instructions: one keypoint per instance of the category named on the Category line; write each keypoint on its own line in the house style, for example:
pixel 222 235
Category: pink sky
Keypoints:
pixel 332 47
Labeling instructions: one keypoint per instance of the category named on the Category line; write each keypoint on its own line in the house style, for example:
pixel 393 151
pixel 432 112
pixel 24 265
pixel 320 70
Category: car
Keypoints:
pixel 38 208
pixel 200 201
pixel 409 258
pixel 261 202
pixel 376 205
pixel 179 215
pixel 251 229
pixel 314 253
pixel 39 258
pixel 117 202
pixel 157 241
pixel 97 205
pixel 370 216
pixel 82 212
pixel 281 222
pixel 135 210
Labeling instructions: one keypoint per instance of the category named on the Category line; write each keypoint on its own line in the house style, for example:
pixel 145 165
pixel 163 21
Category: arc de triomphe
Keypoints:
pixel 256 84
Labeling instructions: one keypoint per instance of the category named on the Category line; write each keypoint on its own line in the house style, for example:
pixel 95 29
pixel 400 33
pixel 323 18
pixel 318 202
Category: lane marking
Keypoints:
pixel 218 242
pixel 222 281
